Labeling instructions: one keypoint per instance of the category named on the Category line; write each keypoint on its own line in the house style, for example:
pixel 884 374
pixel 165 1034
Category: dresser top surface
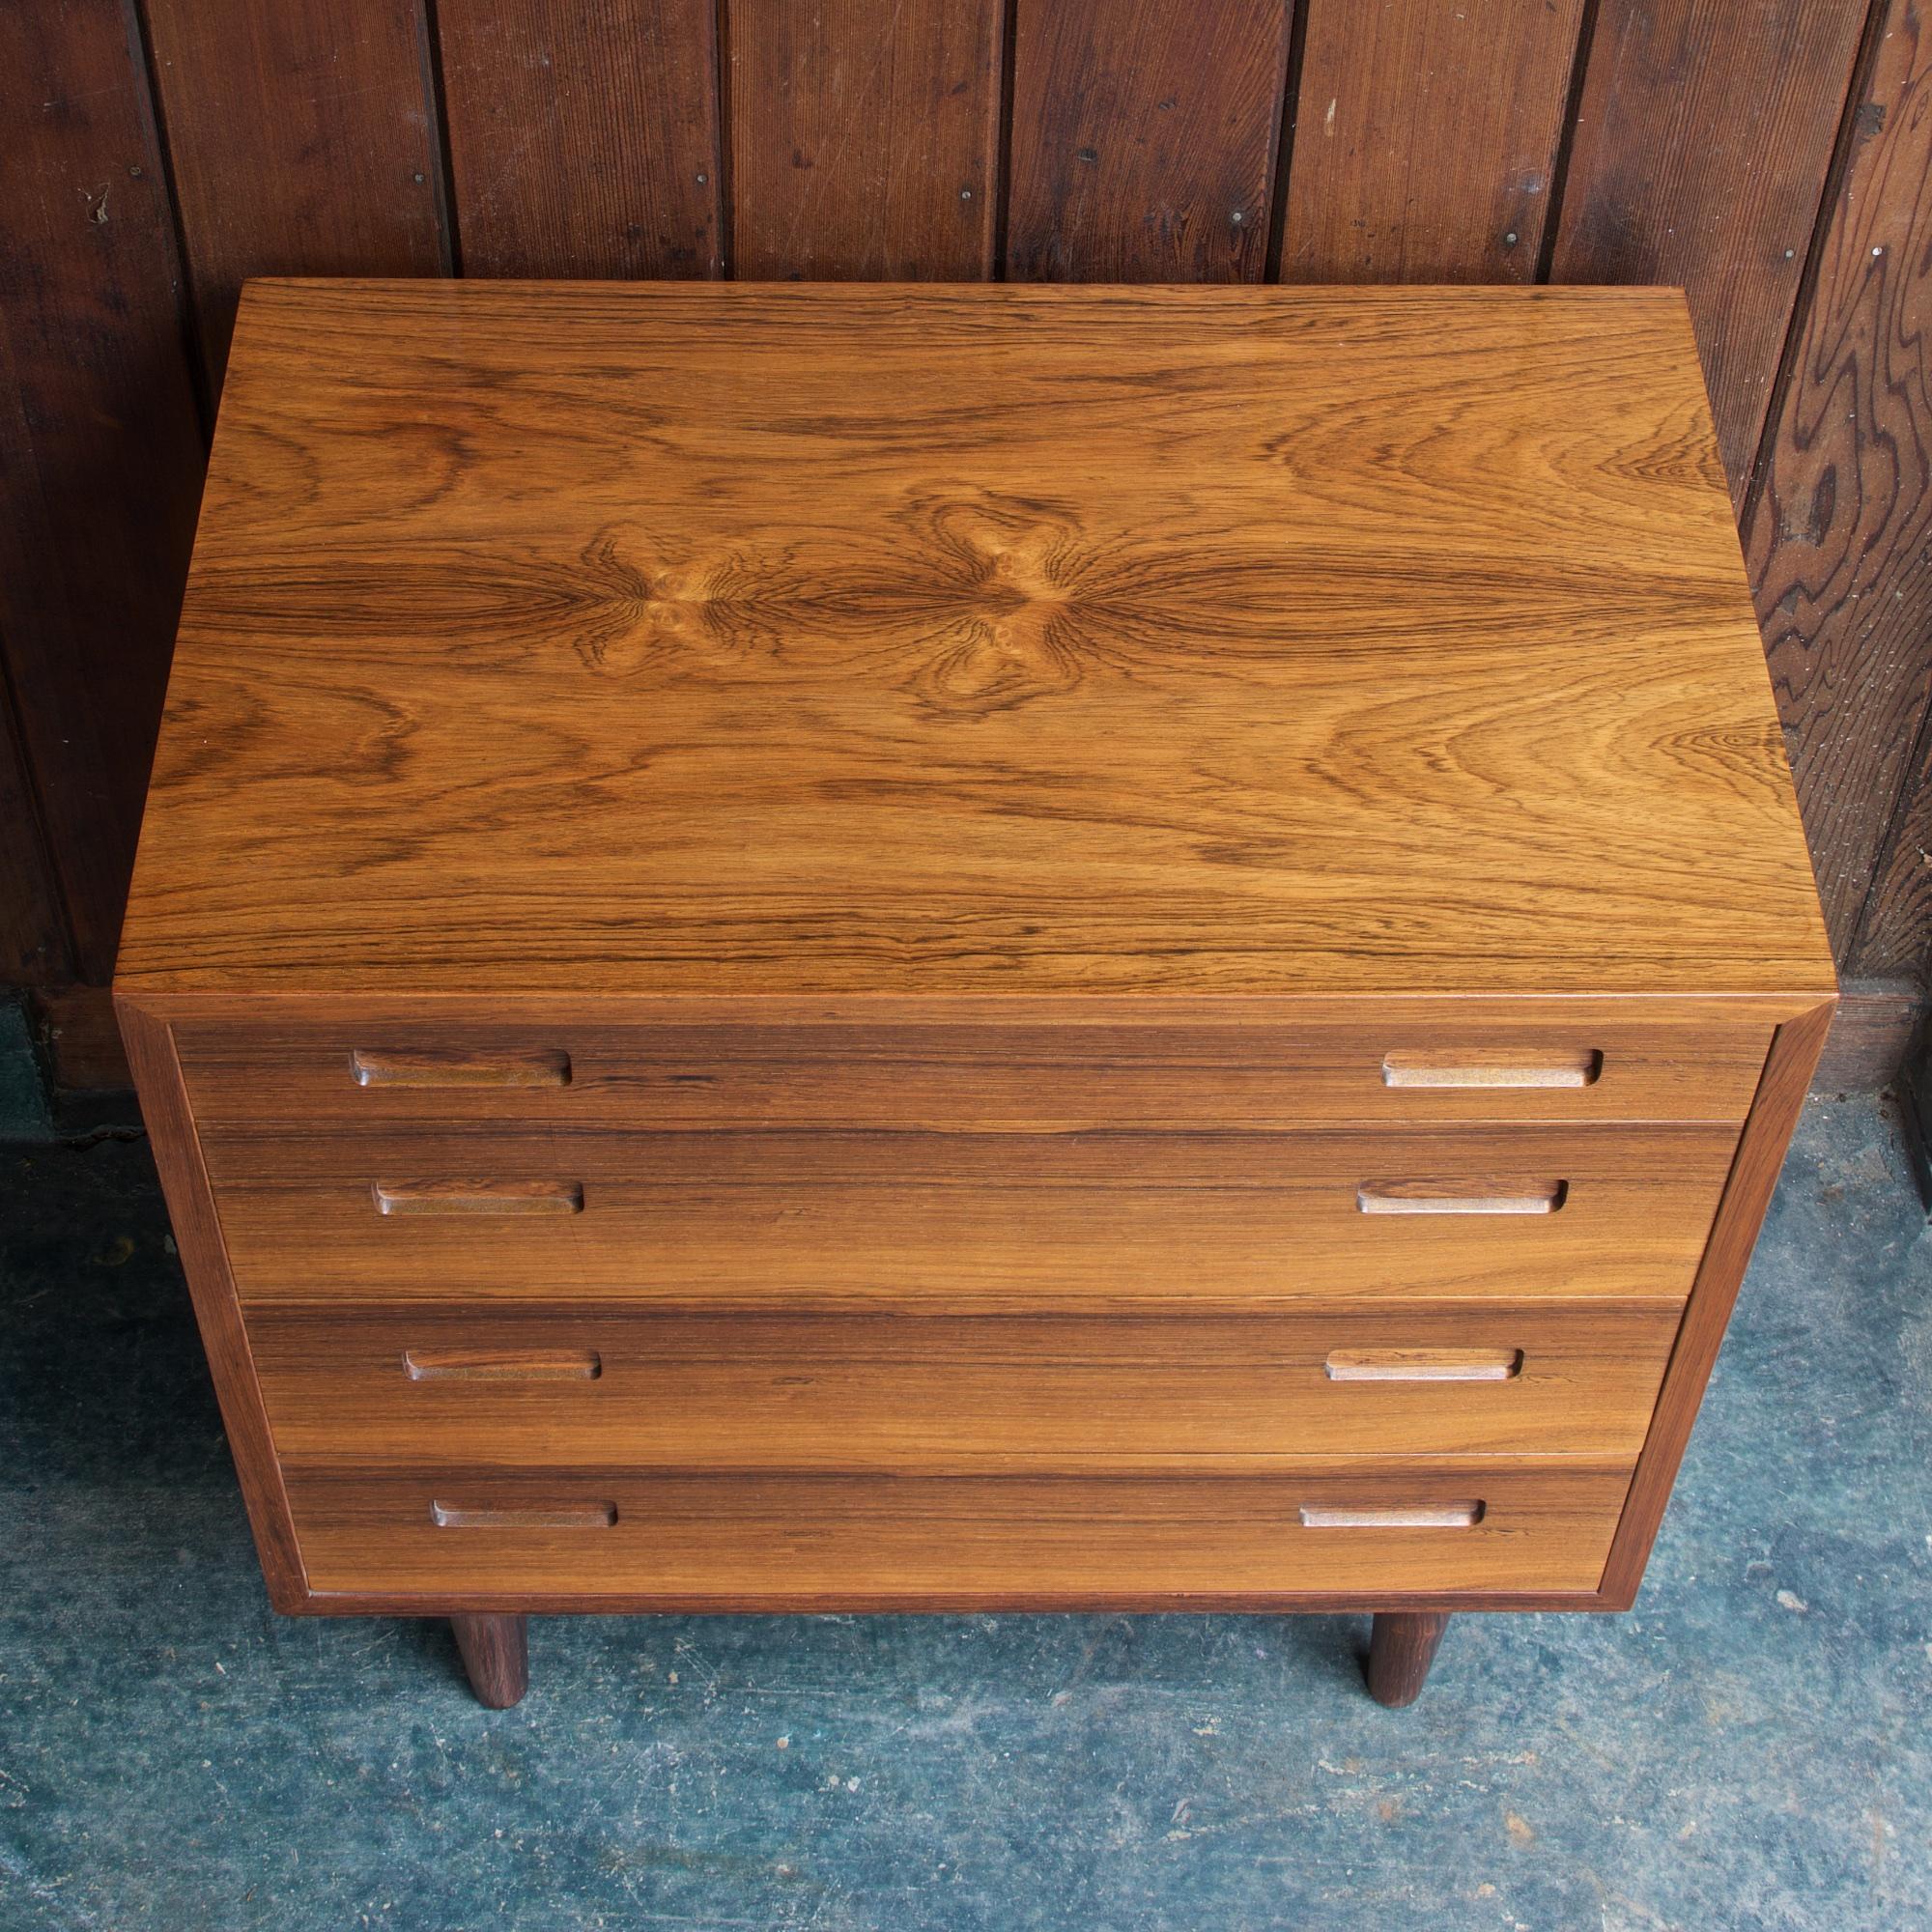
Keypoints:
pixel 821 640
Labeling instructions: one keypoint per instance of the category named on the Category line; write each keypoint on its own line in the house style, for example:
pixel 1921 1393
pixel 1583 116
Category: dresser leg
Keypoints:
pixel 1402 1646
pixel 496 1654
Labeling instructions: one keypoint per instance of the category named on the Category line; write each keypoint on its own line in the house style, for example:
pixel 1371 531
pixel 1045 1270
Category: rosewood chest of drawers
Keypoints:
pixel 892 949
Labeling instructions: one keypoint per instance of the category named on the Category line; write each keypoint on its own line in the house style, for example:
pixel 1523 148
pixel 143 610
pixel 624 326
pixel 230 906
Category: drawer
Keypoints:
pixel 609 1539
pixel 865 1392
pixel 1413 1064
pixel 974 1222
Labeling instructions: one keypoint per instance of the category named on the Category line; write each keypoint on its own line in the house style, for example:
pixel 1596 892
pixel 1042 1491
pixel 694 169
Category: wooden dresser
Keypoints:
pixel 893 949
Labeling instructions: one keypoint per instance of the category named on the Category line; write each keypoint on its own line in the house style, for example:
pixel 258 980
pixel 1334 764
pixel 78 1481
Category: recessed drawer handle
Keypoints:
pixel 532 1516
pixel 1460 1197
pixel 1417 1515
pixel 502 1365
pixel 1424 1365
pixel 541 1069
pixel 1490 1070
pixel 480 1197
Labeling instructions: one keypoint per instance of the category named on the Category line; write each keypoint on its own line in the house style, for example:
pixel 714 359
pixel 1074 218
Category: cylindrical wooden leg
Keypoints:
pixel 1402 1646
pixel 496 1654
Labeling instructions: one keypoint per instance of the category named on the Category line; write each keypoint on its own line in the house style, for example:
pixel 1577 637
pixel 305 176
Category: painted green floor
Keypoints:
pixel 1748 1749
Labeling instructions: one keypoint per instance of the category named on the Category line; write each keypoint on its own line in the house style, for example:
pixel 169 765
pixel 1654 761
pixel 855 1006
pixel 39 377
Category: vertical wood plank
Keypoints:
pixel 583 136
pixel 33 928
pixel 1894 940
pixel 1839 532
pixel 101 449
pixel 1424 136
pixel 303 144
pixel 1704 131
pixel 864 147
pixel 1144 139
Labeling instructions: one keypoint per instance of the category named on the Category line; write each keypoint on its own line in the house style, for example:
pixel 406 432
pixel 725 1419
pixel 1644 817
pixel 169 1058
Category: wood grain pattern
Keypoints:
pixel 496 1655
pixel 1895 941
pixel 582 135
pixel 302 141
pixel 101 456
pixel 1401 1647
pixel 1428 668
pixel 298 133
pixel 1787 1076
pixel 1838 538
pixel 511 1066
pixel 931 1543
pixel 1054 1072
pixel 827 847
pixel 481 1196
pixel 164 1107
pixel 33 926
pixel 80 1039
pixel 864 144
pixel 1702 134
pixel 1872 1030
pixel 994 1222
pixel 374 1385
pixel 1144 139
pixel 1425 135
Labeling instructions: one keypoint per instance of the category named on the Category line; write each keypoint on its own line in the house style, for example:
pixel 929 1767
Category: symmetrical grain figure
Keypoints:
pixel 903 948
pixel 1754 151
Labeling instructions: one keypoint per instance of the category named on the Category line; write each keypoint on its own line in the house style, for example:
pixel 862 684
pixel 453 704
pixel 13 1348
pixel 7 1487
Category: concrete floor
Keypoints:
pixel 1748 1749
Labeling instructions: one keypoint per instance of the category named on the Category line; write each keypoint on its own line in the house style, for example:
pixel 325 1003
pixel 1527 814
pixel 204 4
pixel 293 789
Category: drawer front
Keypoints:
pixel 580 1387
pixel 619 1540
pixel 1409 1065
pixel 973 1222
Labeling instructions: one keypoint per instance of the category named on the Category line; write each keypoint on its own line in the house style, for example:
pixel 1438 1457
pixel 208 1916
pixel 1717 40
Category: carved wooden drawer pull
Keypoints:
pixel 1414 1515
pixel 529 1515
pixel 540 1068
pixel 1424 1365
pixel 1460 1197
pixel 502 1365
pixel 480 1197
pixel 1492 1069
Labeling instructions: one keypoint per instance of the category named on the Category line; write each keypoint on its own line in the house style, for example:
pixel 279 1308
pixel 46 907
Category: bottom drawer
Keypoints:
pixel 606 1540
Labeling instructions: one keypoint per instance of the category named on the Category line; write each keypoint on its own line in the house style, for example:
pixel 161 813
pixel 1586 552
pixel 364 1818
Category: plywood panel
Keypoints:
pixel 582 135
pixel 1704 129
pixel 1425 137
pixel 101 449
pixel 1838 538
pixel 864 147
pixel 303 144
pixel 1144 139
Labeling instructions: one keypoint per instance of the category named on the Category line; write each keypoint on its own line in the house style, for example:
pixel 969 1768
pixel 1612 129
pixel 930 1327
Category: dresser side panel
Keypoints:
pixel 1780 1095
pixel 171 1127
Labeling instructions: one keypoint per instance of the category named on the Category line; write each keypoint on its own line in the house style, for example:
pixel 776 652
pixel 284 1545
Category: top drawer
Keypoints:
pixel 1394 1063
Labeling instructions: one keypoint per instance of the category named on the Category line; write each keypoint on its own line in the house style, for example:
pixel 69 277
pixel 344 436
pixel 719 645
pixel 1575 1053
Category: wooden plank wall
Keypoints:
pixel 1774 157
